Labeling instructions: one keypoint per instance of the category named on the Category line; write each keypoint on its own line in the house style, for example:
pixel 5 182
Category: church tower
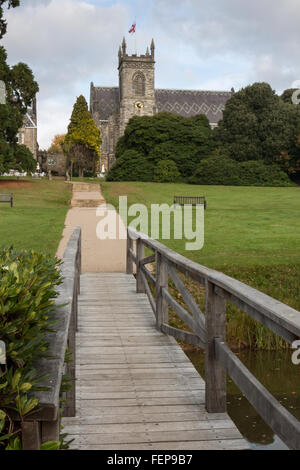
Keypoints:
pixel 136 84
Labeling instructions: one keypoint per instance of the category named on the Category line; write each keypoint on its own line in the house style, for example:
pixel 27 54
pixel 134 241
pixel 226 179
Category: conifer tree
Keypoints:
pixel 82 143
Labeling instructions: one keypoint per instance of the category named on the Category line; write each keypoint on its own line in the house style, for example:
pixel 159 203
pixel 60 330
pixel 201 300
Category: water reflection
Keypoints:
pixel 279 375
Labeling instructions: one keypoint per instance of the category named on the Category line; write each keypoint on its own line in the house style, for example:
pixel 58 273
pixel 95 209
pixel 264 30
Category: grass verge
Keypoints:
pixel 37 219
pixel 251 234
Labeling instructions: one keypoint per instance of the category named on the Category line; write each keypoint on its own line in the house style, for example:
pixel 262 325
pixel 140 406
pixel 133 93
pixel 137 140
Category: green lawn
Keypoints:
pixel 243 225
pixel 251 233
pixel 37 219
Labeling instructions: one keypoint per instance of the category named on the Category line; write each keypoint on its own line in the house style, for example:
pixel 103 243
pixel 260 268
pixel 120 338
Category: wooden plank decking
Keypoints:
pixel 136 389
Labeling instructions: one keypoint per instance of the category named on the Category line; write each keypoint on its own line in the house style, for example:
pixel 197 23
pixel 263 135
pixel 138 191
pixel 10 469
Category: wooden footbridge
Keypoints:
pixel 135 387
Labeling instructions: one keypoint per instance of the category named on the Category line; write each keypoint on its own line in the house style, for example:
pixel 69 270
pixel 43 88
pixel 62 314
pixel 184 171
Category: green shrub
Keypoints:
pixel 27 292
pixel 166 171
pixel 164 136
pixel 221 170
pixel 256 172
pixel 131 166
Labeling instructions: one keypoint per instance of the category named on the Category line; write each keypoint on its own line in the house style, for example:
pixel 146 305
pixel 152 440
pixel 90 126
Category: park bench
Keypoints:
pixel 190 200
pixel 7 198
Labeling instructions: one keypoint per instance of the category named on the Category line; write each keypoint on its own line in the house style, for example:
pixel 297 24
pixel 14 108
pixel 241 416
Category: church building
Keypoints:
pixel 27 135
pixel 112 107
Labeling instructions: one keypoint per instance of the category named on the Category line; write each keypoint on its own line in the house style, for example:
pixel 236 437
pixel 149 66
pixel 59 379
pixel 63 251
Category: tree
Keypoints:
pixel 57 144
pixel 82 142
pixel 164 136
pixel 258 125
pixel 166 171
pixel 21 89
pixel 9 4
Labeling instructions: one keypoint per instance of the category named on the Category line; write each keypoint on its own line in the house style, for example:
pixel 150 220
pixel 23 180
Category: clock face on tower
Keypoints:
pixel 139 105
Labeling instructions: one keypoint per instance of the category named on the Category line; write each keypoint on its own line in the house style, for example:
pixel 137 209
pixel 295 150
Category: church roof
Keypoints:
pixel 104 101
pixel 29 121
pixel 187 103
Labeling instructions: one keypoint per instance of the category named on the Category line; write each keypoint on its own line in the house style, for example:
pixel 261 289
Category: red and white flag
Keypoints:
pixel 132 29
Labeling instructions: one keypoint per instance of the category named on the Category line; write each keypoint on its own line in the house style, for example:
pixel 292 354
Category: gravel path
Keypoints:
pixel 97 255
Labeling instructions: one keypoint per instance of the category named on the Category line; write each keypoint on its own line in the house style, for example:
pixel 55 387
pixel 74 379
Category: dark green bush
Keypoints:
pixel 216 170
pixel 221 170
pixel 131 166
pixel 259 125
pixel 256 172
pixel 166 171
pixel 27 292
pixel 164 136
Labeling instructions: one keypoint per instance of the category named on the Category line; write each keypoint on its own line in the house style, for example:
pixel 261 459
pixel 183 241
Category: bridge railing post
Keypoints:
pixel 215 375
pixel 70 404
pixel 129 262
pixel 162 277
pixel 140 254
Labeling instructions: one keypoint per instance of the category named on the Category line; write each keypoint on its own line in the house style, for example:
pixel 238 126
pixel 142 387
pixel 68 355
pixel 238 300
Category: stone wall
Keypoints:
pixel 29 139
pixel 56 162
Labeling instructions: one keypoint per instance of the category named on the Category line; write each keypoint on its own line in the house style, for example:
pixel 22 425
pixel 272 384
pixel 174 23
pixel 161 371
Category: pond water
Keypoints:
pixel 279 375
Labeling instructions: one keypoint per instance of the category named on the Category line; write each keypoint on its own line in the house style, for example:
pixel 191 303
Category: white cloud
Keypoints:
pixel 240 31
pixel 199 44
pixel 67 44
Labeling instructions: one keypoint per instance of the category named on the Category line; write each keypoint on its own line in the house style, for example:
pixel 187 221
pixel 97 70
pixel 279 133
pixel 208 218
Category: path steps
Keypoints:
pixel 136 389
pixel 86 195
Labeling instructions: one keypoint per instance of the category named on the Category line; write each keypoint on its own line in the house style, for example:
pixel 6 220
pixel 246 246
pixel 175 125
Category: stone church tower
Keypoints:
pixel 136 95
pixel 136 85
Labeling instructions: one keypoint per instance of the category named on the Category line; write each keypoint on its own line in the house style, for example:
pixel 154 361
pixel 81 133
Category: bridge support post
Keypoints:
pixel 140 254
pixel 162 311
pixel 215 375
pixel 70 405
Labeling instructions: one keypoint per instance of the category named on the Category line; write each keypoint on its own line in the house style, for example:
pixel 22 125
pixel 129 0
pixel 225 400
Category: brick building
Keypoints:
pixel 112 107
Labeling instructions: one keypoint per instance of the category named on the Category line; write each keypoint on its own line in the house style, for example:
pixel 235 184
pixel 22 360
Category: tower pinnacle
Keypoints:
pixel 152 48
pixel 124 46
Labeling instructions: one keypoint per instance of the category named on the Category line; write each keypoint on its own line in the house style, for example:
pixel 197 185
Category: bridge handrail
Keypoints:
pixel 44 424
pixel 209 331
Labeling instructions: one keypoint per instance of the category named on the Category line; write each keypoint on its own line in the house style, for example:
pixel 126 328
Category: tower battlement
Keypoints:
pixel 124 57
pixel 113 107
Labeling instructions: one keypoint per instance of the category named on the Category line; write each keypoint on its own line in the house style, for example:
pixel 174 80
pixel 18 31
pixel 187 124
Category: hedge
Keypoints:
pixel 220 170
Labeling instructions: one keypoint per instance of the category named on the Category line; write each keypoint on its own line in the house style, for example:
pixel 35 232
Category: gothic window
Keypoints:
pixel 138 83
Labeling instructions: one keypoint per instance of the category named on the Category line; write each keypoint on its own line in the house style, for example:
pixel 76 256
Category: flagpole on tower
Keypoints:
pixel 133 31
pixel 135 41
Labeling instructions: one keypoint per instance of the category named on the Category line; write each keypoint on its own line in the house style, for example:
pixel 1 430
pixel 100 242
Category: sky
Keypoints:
pixel 208 45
